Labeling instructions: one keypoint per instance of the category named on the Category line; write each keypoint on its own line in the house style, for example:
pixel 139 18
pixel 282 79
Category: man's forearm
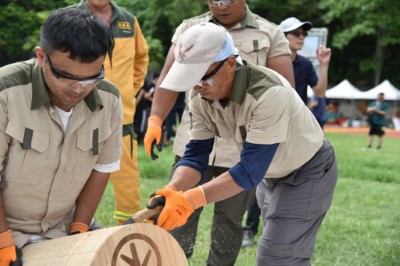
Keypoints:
pixel 322 85
pixel 90 196
pixel 163 99
pixel 185 178
pixel 220 188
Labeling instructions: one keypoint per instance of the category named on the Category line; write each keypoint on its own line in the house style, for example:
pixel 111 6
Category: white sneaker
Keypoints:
pixel 248 239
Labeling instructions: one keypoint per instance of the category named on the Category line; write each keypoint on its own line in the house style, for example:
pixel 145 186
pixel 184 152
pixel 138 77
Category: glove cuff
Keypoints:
pixel 196 197
pixel 78 227
pixel 171 187
pixel 155 121
pixel 6 239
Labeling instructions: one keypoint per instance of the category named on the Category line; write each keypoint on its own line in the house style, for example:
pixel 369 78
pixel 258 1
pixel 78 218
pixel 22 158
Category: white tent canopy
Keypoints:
pixel 344 90
pixel 391 93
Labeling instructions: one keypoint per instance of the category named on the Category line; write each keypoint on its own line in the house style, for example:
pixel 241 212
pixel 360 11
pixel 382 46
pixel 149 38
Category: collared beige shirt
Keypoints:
pixel 263 109
pixel 257 40
pixel 43 168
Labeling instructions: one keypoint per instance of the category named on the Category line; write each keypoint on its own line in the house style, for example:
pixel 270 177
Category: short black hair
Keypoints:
pixel 75 31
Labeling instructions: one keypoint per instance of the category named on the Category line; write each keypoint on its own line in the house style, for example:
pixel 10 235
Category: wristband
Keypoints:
pixel 196 197
pixel 79 227
pixel 155 121
pixel 170 187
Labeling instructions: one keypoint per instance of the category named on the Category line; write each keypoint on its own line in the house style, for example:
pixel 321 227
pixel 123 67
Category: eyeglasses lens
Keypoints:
pixel 225 2
pixel 72 82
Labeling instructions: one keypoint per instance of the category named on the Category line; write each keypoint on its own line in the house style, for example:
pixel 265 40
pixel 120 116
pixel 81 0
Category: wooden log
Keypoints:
pixel 140 244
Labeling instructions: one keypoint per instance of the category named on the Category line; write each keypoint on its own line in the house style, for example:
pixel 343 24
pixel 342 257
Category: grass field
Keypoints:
pixel 362 227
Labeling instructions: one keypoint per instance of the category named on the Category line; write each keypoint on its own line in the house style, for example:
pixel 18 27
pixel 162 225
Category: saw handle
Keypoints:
pixel 144 214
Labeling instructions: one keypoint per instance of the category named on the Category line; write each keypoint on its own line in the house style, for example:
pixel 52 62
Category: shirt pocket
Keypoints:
pixel 89 145
pixel 255 51
pixel 93 140
pixel 27 154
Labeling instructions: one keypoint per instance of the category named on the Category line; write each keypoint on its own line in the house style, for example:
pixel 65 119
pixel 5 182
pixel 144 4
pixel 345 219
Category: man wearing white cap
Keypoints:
pixel 304 73
pixel 260 42
pixel 283 150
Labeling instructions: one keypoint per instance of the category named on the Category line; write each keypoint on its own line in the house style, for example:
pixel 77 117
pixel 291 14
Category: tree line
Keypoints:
pixel 363 34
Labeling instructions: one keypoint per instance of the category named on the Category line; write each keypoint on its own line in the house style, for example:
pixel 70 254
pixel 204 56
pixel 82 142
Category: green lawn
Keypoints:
pixel 361 228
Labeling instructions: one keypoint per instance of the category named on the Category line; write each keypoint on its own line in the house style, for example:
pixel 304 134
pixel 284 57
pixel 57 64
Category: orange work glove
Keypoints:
pixel 153 135
pixel 178 206
pixel 78 228
pixel 196 197
pixel 8 256
pixel 150 215
pixel 8 250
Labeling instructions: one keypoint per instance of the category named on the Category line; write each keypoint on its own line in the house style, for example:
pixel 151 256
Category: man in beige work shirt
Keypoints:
pixel 282 147
pixel 259 41
pixel 60 134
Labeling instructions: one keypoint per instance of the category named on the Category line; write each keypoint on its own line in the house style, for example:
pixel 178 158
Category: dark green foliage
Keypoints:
pixel 363 34
pixel 20 22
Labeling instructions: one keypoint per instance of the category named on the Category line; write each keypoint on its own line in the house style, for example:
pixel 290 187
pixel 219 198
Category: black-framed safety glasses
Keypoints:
pixel 212 73
pixel 87 81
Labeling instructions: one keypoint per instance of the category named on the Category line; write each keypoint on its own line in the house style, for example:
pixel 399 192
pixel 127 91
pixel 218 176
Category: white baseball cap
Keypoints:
pixel 293 23
pixel 197 48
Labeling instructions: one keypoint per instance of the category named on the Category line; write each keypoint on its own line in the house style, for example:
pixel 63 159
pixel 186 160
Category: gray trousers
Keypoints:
pixel 293 208
pixel 226 229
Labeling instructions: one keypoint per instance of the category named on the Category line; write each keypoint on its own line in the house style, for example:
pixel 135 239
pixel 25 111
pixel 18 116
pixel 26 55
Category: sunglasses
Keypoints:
pixel 297 34
pixel 208 78
pixel 225 2
pixel 212 73
pixel 88 81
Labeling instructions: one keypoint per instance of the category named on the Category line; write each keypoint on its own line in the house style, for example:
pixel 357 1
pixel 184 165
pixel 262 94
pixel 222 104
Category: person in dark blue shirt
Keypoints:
pixel 304 73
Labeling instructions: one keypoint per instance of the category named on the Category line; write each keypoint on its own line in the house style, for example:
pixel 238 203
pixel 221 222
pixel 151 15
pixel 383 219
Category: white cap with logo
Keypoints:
pixel 197 48
pixel 293 23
